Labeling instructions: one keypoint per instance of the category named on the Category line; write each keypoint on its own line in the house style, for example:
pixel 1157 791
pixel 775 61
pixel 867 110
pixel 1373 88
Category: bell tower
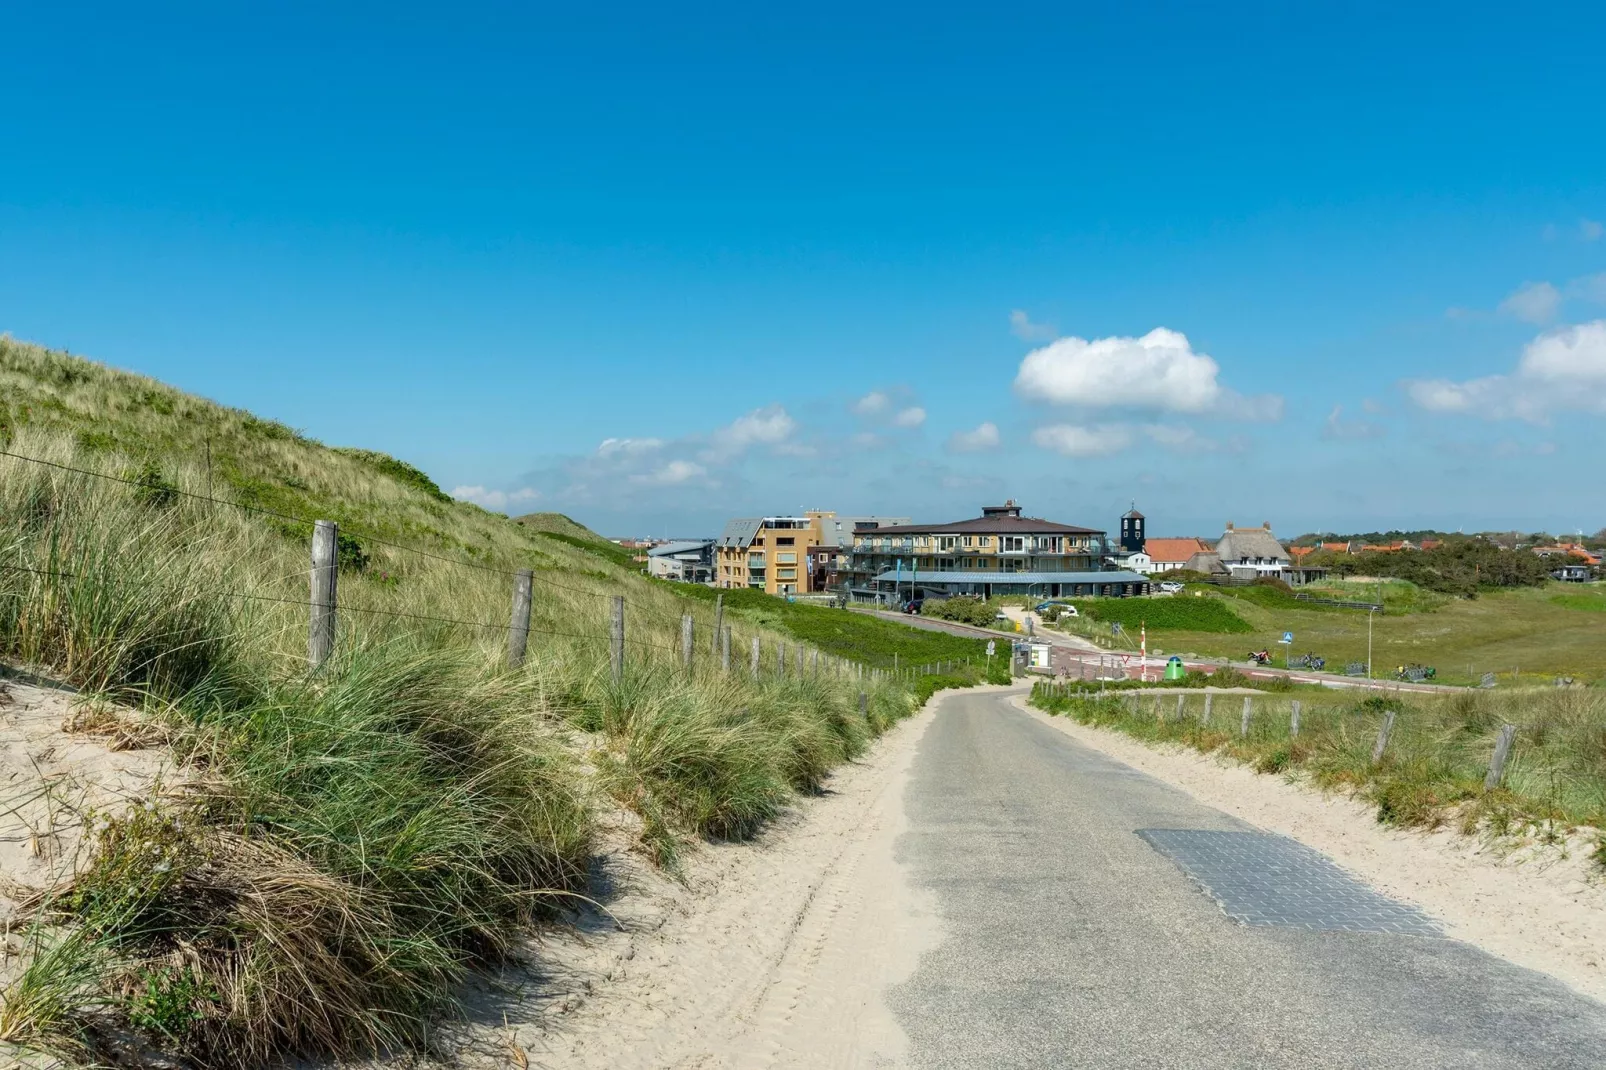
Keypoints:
pixel 1132 530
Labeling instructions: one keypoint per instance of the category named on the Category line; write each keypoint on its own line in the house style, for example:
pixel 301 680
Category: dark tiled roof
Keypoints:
pixel 987 525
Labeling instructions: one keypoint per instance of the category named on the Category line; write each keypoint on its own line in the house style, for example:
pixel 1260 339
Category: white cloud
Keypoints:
pixel 1073 440
pixel 1336 428
pixel 983 437
pixel 872 404
pixel 1022 327
pixel 1372 406
pixel 765 426
pixel 1590 229
pixel 614 447
pixel 1180 438
pixel 671 473
pixel 1590 288
pixel 1532 302
pixel 1158 371
pixel 494 499
pixel 1559 370
pixel 913 416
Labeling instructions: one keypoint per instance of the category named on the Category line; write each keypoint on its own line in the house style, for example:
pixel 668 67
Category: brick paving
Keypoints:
pixel 1262 879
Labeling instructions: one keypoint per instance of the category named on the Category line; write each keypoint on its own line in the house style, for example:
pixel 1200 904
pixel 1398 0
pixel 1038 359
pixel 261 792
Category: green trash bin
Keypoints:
pixel 1174 669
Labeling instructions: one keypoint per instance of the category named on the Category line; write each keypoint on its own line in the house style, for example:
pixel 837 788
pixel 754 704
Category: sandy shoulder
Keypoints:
pixel 1540 906
pixel 770 954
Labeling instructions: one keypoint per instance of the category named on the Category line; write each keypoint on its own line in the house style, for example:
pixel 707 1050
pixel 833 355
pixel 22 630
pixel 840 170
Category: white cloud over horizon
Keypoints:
pixel 1074 440
pixel 1532 302
pixel 1337 429
pixel 911 417
pixel 494 499
pixel 872 404
pixel 1022 327
pixel 670 474
pixel 984 436
pixel 1563 369
pixel 1159 371
pixel 766 426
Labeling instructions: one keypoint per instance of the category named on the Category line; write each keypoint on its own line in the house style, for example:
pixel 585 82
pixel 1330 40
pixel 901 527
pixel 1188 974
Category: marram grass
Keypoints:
pixel 352 841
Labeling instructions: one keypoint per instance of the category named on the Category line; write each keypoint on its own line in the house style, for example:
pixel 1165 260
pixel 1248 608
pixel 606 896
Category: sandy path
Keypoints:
pixel 1540 906
pixel 773 954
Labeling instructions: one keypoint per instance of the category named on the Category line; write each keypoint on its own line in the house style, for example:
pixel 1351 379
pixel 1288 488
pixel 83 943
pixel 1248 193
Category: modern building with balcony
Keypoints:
pixel 1000 552
pixel 767 553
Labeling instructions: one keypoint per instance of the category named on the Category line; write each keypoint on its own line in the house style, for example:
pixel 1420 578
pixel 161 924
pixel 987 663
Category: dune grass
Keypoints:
pixel 353 841
pixel 1432 771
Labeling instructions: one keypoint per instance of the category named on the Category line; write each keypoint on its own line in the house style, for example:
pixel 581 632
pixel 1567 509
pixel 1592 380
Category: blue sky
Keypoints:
pixel 1328 266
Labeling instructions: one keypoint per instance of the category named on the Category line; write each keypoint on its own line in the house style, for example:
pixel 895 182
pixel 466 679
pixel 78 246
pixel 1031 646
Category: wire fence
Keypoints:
pixel 324 606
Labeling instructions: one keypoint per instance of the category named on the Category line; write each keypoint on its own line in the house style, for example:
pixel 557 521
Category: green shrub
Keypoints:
pixel 965 609
pixel 1184 613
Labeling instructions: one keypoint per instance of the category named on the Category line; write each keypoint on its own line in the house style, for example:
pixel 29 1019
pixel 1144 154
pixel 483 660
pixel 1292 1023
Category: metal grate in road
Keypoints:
pixel 1262 879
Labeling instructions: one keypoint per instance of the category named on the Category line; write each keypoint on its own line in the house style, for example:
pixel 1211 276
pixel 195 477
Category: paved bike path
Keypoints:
pixel 1095 917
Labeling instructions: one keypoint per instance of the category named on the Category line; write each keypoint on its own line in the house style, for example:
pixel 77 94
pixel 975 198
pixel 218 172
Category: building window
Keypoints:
pixel 785 558
pixel 787 541
pixel 970 540
pixel 786 573
pixel 1012 543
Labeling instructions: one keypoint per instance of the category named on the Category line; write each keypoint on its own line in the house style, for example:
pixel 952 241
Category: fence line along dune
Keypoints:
pixel 353 839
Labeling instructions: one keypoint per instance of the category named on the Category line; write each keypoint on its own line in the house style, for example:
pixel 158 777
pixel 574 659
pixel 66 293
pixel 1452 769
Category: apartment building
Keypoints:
pixel 999 552
pixel 767 553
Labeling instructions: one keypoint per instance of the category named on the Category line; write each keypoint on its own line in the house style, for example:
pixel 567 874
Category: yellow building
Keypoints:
pixel 768 553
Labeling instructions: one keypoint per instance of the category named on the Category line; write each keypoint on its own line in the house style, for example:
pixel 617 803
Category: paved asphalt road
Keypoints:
pixel 1072 941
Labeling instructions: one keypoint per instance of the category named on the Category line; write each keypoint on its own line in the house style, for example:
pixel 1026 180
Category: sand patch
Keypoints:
pixel 775 953
pixel 1539 905
pixel 64 761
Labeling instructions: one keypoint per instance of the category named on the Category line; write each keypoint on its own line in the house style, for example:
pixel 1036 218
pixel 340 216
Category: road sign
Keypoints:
pixel 1288 637
pixel 1126 659
pixel 990 648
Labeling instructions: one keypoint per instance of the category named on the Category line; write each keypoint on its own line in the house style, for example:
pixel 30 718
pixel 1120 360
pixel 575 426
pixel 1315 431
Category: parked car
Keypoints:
pixel 1170 587
pixel 1065 608
pixel 914 605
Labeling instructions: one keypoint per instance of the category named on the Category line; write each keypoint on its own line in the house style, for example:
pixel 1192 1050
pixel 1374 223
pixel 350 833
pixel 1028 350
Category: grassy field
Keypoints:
pixel 842 632
pixel 1540 633
pixel 1432 771
pixel 369 833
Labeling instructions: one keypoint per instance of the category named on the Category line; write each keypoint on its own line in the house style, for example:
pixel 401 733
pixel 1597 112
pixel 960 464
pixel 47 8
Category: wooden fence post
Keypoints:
pixel 798 669
pixel 864 705
pixel 1502 751
pixel 814 664
pixel 1293 721
pixel 780 659
pixel 1180 700
pixel 616 638
pixel 325 577
pixel 719 620
pixel 1383 737
pixel 1243 729
pixel 686 631
pixel 1204 718
pixel 755 657
pixel 518 631
pixel 725 650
